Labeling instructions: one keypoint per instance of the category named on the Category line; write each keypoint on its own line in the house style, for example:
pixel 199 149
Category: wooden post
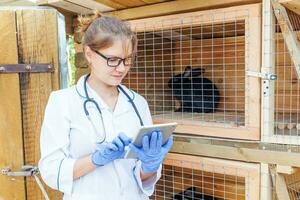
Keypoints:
pixel 268 66
pixel 266 184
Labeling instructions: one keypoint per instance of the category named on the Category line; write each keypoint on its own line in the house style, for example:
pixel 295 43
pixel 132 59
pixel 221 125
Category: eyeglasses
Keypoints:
pixel 116 61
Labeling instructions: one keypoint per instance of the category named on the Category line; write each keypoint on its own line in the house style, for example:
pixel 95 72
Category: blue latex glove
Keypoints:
pixel 109 151
pixel 152 152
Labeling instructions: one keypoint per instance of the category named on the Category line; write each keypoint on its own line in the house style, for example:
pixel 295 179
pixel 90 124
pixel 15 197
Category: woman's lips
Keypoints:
pixel 117 76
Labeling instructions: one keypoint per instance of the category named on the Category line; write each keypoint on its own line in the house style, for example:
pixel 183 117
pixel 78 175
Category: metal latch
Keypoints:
pixel 267 76
pixel 27 170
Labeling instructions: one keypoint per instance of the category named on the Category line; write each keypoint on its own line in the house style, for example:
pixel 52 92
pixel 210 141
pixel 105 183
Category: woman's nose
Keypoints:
pixel 121 67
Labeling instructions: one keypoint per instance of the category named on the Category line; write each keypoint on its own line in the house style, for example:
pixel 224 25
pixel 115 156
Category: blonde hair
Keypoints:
pixel 99 32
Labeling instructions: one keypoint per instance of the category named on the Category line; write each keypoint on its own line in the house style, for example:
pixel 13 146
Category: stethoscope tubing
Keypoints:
pixel 90 100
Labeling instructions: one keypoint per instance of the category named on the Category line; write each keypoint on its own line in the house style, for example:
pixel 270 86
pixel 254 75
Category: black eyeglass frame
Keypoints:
pixel 114 57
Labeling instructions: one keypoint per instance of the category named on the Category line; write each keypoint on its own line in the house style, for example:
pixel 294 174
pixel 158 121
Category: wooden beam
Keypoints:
pixel 293 5
pixel 173 7
pixel 111 4
pixel 154 1
pixel 289 36
pixel 92 5
pixel 284 169
pixel 237 150
pixel 66 5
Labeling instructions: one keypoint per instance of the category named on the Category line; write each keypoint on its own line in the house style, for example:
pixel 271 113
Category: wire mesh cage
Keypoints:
pixel 192 68
pixel 287 89
pixel 193 177
pixel 284 182
pixel 283 102
pixel 293 185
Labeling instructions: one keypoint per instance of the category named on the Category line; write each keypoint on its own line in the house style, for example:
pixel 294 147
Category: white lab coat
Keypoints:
pixel 67 135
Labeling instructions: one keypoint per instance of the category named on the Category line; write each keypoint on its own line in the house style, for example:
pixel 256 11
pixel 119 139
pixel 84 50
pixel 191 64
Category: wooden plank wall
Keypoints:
pixel 11 143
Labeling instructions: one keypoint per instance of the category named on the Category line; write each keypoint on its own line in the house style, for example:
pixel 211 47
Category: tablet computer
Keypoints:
pixel 166 129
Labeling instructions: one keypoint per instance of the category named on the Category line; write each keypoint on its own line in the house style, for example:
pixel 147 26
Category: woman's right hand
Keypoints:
pixel 109 151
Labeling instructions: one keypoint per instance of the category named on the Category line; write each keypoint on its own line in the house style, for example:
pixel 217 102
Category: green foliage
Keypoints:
pixel 71 53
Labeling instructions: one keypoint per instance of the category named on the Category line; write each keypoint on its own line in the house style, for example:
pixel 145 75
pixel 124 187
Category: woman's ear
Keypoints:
pixel 88 52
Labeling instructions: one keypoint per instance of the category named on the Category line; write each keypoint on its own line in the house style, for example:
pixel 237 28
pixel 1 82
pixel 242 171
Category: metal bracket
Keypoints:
pixel 25 68
pixel 27 170
pixel 267 76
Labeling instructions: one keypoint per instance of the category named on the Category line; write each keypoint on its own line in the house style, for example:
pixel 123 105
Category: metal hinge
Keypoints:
pixel 25 68
pixel 267 76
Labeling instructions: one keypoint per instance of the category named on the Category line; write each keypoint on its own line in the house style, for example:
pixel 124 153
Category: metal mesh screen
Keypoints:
pixel 193 179
pixel 193 70
pixel 287 90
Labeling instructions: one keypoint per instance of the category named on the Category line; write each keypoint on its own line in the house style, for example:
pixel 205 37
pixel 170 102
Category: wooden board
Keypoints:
pixel 38 43
pixel 11 141
pixel 192 19
pixel 173 7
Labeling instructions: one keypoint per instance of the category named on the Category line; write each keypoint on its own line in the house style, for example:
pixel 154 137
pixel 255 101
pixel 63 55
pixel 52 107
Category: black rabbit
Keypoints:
pixel 194 92
pixel 192 194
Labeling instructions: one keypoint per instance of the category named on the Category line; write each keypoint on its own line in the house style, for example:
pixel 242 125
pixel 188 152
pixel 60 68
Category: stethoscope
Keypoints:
pixel 92 101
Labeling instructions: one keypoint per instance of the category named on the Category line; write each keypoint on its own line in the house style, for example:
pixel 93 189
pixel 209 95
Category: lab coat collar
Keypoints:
pixel 91 92
pixel 123 105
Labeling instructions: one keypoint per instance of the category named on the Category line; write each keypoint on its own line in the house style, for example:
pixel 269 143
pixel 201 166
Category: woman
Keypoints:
pixel 87 127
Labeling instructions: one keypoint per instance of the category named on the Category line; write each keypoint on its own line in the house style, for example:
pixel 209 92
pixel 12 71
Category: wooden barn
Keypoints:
pixel 228 72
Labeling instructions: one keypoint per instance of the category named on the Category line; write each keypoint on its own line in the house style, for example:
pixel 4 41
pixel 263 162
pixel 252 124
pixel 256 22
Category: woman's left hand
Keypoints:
pixel 152 152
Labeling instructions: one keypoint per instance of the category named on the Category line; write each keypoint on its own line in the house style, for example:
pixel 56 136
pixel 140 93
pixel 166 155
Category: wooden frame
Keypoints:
pixel 76 6
pixel 252 16
pixel 250 172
